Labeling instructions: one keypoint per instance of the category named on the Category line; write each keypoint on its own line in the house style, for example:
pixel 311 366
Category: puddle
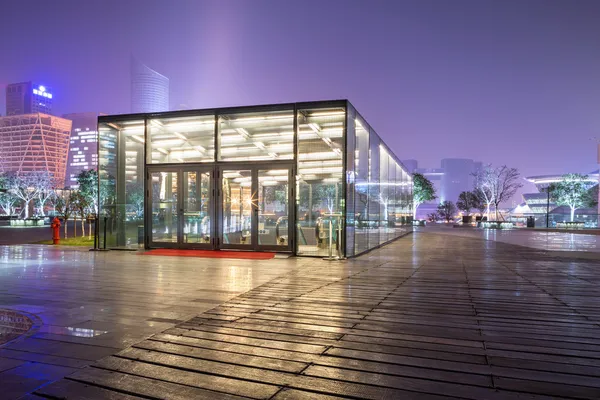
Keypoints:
pixel 13 324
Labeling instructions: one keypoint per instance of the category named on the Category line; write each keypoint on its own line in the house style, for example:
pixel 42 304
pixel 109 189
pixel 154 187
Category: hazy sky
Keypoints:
pixel 505 82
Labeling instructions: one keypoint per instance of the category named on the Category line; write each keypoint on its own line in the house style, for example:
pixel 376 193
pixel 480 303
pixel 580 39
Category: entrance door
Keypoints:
pixel 255 208
pixel 181 207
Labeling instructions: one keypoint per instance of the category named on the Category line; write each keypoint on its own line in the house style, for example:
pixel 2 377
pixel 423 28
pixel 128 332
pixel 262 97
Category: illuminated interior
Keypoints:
pixel 312 179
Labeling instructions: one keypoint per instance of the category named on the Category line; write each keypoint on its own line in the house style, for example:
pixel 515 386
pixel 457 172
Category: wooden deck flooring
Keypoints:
pixel 427 317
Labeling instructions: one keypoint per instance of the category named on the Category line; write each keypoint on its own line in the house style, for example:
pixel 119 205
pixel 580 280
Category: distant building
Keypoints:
pixel 28 98
pixel 457 178
pixel 149 89
pixel 35 142
pixel 83 147
pixel 454 176
pixel 539 204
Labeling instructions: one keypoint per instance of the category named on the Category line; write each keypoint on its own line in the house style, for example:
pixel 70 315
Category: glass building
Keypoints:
pixel 306 178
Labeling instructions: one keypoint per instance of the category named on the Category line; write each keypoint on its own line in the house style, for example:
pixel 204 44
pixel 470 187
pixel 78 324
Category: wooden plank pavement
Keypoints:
pixel 427 317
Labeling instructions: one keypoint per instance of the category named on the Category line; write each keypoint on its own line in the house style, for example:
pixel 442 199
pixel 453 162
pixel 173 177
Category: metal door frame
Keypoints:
pixel 179 170
pixel 291 206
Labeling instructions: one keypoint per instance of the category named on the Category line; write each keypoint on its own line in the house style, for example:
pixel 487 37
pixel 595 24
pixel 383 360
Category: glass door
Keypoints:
pixel 181 207
pixel 255 208
pixel 196 210
pixel 164 200
pixel 273 209
pixel 238 200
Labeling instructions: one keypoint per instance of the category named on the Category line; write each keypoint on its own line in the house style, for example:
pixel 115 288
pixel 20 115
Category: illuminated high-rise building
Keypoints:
pixel 28 98
pixel 35 142
pixel 83 147
pixel 149 89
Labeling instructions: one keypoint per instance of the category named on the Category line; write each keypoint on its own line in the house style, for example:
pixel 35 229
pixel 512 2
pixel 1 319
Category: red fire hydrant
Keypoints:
pixel 55 230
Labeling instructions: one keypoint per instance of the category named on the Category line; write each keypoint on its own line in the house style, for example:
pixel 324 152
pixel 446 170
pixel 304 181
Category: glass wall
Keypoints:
pixel 382 190
pixel 350 189
pixel 256 136
pixel 121 181
pixel 181 140
pixel 319 181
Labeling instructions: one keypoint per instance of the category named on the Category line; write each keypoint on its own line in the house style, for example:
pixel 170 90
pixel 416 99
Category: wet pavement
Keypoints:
pixel 13 324
pixel 91 305
pixel 536 239
pixel 430 316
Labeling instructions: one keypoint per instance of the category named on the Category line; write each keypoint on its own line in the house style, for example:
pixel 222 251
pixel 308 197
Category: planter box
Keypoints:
pixel 27 222
pixel 496 225
pixel 570 225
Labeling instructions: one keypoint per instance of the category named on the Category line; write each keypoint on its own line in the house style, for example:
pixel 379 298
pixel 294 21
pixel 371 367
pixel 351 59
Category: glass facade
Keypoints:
pixel 309 178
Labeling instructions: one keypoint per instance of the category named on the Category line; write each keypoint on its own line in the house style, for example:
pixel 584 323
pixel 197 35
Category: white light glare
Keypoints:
pixel 315 127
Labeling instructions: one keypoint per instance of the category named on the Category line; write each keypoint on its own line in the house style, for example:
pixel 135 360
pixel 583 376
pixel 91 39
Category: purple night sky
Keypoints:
pixel 504 82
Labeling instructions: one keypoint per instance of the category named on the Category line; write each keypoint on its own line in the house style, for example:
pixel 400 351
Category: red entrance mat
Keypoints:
pixel 248 255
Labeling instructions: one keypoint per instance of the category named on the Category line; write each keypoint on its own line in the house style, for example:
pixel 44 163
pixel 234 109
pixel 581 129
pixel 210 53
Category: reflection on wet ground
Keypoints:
pixel 12 325
pixel 549 241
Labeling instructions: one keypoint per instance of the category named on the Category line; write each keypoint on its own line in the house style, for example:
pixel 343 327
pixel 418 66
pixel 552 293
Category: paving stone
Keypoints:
pixel 430 316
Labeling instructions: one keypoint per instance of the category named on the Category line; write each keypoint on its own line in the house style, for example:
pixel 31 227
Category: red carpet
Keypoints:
pixel 249 255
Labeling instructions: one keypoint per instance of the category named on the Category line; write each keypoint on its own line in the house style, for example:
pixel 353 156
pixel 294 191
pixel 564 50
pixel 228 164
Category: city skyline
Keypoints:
pixel 484 81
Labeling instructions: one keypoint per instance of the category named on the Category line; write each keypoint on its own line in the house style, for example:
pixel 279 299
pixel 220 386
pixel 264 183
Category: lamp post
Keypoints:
pixel 548 207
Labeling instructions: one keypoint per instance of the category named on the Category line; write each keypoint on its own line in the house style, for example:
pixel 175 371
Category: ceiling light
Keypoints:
pixel 244 133
pixel 315 127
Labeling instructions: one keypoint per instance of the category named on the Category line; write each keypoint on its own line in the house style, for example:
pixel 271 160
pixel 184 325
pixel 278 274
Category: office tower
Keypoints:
pixel 83 147
pixel 458 177
pixel 35 142
pixel 28 98
pixel 149 89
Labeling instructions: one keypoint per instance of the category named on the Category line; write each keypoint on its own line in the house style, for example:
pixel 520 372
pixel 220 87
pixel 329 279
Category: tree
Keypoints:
pixel 574 191
pixel 135 197
pixel 504 185
pixel 433 217
pixel 423 191
pixel 446 210
pixel 496 185
pixel 44 195
pixel 7 199
pixel 27 186
pixel 483 186
pixel 8 202
pixel 80 204
pixel 88 187
pixel 468 201
pixel 64 207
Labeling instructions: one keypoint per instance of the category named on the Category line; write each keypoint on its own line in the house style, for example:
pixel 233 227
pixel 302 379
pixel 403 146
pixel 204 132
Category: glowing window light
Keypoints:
pixel 41 88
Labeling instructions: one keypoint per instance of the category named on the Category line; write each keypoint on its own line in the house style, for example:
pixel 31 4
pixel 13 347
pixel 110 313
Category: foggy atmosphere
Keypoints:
pixel 316 199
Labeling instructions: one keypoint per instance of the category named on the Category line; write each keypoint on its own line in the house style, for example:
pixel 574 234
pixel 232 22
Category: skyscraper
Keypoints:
pixel 149 89
pixel 28 98
pixel 35 142
pixel 458 177
pixel 83 148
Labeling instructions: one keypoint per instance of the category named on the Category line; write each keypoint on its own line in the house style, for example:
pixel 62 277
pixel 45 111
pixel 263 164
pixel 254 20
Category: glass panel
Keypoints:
pixel 384 194
pixel 121 172
pixel 273 207
pixel 164 207
pixel 350 180
pixel 373 189
pixel 237 207
pixel 319 182
pixel 181 140
pixel 257 136
pixel 361 198
pixel 196 207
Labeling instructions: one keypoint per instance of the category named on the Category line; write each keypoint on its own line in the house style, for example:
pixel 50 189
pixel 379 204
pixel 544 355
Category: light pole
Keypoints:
pixel 548 207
